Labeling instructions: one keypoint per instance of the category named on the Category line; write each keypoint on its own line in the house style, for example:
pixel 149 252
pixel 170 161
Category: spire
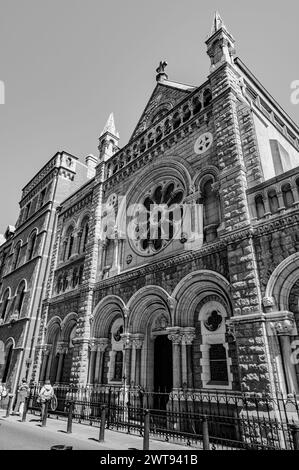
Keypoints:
pixel 217 23
pixel 220 43
pixel 108 140
pixel 110 126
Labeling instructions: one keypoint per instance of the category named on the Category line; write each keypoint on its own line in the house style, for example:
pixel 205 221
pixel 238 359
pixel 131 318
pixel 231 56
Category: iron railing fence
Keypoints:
pixel 235 420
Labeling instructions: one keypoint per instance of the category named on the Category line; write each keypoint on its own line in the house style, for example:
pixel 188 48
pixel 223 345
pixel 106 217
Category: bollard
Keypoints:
pixel 102 425
pixel 295 435
pixel 70 417
pixel 146 430
pixel 205 434
pixel 9 405
pixel 25 409
pixel 45 414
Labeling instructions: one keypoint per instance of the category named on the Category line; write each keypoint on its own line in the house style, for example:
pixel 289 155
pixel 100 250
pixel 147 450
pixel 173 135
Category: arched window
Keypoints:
pixel 273 201
pixel 7 357
pixel 260 207
pixel 20 297
pixel 196 105
pixel 207 97
pixel 17 255
pixel 5 301
pixel 186 113
pixel 118 366
pixel 31 246
pixel 85 231
pixel 287 194
pixel 211 216
pixel 69 244
pixel 176 120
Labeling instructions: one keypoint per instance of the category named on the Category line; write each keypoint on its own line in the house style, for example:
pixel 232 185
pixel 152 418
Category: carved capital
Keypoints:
pixel 62 348
pixel 268 303
pixel 175 335
pixel 137 340
pixel 188 335
pixel 102 344
pixel 127 340
pixel 283 327
pixel 230 330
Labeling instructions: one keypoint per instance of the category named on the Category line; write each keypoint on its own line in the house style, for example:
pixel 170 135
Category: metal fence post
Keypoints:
pixel 70 417
pixel 45 415
pixel 295 435
pixel 25 409
pixel 146 430
pixel 102 424
pixel 205 434
pixel 9 404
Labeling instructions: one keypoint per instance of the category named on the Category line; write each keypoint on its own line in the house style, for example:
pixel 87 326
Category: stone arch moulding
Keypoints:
pixel 68 324
pixel 153 298
pixel 10 341
pixel 19 284
pixel 105 312
pixel 282 280
pixel 51 328
pixel 193 288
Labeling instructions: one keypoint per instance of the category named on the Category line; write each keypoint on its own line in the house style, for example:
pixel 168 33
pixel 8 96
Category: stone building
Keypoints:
pixel 25 256
pixel 208 297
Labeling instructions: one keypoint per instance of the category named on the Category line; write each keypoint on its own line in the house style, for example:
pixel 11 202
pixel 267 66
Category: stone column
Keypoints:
pixel 188 335
pixel 284 327
pixel 175 336
pixel 91 369
pixel 127 345
pixel 62 350
pixel 102 345
pixel 137 346
pixel 46 352
pixel 280 201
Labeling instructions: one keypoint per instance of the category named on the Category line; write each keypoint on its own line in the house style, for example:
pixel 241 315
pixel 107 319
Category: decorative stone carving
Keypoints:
pixel 161 323
pixel 137 340
pixel 268 303
pixel 127 340
pixel 175 335
pixel 230 330
pixel 102 344
pixel 188 335
pixel 283 327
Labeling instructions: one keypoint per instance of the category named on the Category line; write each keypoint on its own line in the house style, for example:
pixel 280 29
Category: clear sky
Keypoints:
pixel 67 64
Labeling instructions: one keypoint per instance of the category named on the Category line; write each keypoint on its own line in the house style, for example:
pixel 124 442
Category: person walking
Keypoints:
pixel 45 396
pixel 23 391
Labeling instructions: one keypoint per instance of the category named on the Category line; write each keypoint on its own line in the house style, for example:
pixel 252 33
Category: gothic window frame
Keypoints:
pixel 6 297
pixel 31 245
pixel 116 347
pixel 163 192
pixel 209 338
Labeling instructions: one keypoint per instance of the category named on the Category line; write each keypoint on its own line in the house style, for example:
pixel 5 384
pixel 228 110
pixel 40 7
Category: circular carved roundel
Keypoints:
pixel 203 143
pixel 213 321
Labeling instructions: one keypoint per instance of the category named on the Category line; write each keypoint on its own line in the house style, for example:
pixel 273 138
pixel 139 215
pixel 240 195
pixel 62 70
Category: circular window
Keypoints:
pixel 157 218
pixel 203 143
pixel 213 321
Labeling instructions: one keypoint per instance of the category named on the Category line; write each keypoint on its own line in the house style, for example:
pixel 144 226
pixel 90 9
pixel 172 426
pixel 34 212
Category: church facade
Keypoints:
pixel 175 263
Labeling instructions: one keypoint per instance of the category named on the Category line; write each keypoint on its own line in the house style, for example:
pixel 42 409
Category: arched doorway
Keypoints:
pixel 162 364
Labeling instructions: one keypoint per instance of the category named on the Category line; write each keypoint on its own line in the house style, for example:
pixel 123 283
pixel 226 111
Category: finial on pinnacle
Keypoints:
pixel 161 74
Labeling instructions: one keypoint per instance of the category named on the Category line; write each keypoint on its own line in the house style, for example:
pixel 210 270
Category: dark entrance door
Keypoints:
pixel 162 371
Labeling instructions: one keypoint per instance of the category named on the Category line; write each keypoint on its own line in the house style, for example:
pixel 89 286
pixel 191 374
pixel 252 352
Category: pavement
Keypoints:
pixel 30 435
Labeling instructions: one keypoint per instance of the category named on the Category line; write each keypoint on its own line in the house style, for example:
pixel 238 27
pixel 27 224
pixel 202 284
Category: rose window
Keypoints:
pixel 158 218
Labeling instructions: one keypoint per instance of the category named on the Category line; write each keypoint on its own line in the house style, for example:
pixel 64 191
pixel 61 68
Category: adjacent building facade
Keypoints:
pixel 204 297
